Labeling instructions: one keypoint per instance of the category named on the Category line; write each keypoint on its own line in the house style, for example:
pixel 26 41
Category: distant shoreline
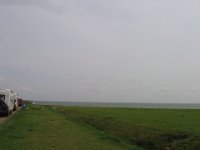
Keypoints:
pixel 122 105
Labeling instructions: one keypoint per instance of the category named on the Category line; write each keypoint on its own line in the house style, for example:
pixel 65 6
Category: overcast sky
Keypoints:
pixel 101 50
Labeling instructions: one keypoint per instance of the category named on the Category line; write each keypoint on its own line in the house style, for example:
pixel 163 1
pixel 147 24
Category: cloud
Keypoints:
pixel 26 89
pixel 194 89
pixel 2 78
pixel 48 5
pixel 166 90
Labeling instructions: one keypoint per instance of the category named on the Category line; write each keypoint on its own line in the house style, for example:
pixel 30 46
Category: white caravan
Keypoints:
pixel 7 101
pixel 16 96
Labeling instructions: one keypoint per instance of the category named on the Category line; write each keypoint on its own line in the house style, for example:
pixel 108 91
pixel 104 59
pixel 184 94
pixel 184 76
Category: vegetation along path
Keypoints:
pixel 86 128
pixel 40 128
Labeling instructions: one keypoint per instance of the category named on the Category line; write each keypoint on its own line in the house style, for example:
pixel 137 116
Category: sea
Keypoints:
pixel 122 105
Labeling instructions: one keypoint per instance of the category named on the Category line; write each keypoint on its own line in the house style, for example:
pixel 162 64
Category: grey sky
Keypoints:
pixel 101 50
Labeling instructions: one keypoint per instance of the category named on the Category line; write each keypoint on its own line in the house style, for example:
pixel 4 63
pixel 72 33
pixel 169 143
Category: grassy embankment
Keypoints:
pixel 56 127
pixel 40 128
pixel 149 128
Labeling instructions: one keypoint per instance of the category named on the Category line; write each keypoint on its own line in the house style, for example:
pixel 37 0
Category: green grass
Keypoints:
pixel 149 128
pixel 88 128
pixel 40 128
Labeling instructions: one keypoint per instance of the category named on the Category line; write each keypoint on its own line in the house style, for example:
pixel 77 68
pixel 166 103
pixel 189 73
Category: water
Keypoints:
pixel 122 105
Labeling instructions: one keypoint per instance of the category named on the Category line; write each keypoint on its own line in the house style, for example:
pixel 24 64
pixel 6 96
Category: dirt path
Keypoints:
pixel 4 118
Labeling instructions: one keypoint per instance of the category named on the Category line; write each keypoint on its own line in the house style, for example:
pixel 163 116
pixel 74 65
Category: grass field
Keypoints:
pixel 82 128
pixel 40 128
